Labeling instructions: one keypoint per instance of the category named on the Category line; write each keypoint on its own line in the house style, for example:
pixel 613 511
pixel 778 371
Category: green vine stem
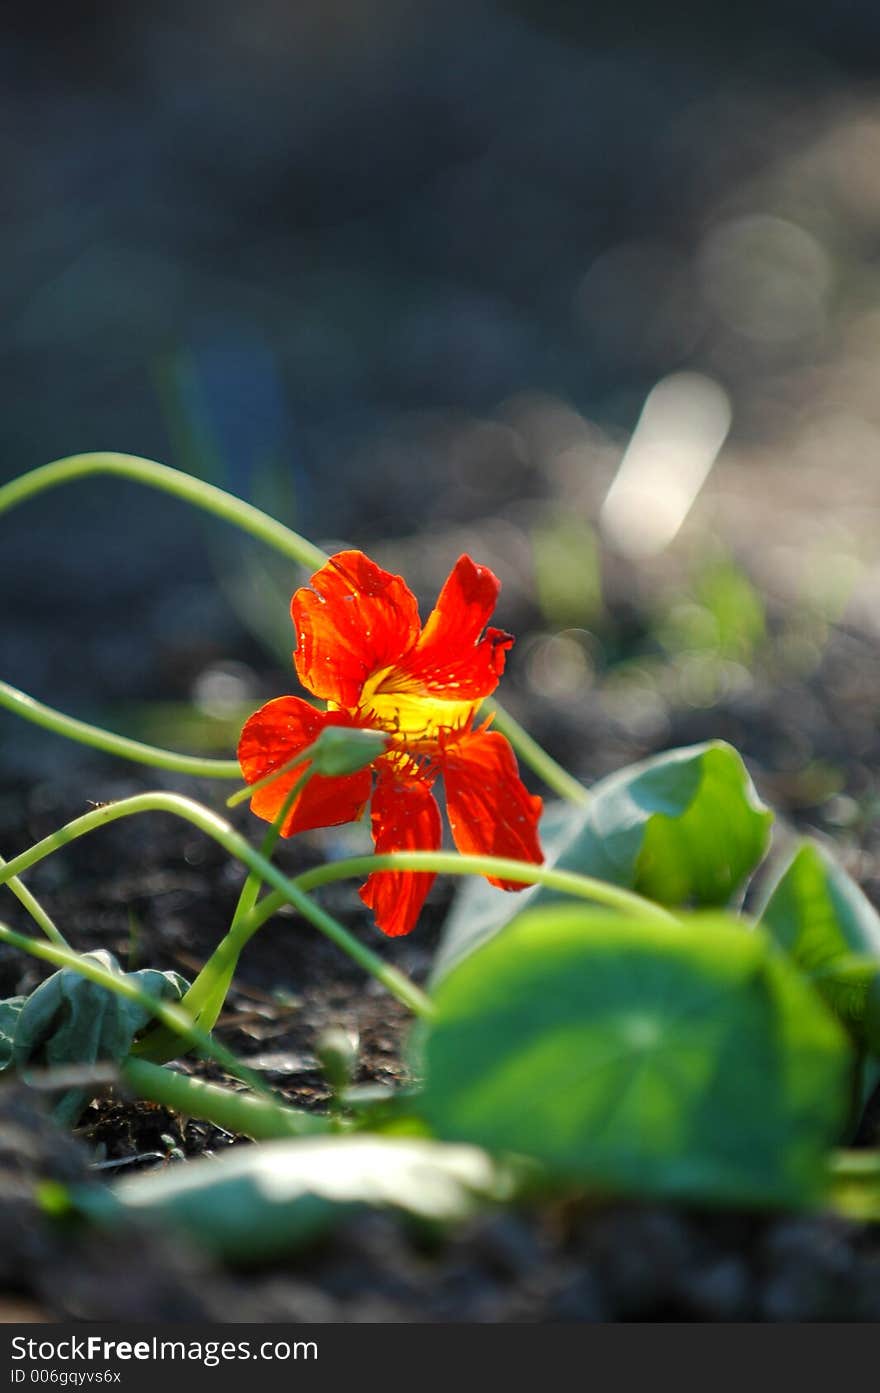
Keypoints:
pixel 532 754
pixel 244 515
pixel 161 476
pixel 390 977
pixel 259 1118
pixel 205 998
pixel 583 887
pixel 253 885
pixel 241 795
pixel 46 716
pixel 35 910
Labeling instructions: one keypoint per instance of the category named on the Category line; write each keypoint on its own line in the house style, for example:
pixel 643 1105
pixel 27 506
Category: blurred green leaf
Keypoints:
pixel 72 1020
pixel 686 827
pixel 818 914
pixel 736 607
pixel 179 724
pixel 263 1201
pixel 688 1060
pixel 568 577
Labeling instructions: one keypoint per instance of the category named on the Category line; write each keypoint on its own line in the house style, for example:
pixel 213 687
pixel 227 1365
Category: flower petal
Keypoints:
pixel 405 817
pixel 356 619
pixel 272 737
pixel 491 812
pixel 453 657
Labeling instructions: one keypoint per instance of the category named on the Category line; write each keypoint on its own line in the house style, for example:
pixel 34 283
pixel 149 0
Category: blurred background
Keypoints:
pixel 592 292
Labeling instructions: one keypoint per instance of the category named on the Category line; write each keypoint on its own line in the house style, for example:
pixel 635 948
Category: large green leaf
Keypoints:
pixel 818 914
pixel 688 1060
pixel 683 828
pixel 260 1201
pixel 72 1020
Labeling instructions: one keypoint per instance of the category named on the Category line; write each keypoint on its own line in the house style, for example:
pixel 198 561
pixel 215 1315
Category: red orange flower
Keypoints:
pixel 362 650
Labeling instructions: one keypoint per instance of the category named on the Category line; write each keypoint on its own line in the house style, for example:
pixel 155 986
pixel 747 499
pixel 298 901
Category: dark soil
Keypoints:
pixel 571 1263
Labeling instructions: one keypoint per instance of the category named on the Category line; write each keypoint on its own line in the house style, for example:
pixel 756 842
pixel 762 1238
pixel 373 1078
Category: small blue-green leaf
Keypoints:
pixel 682 828
pixel 72 1020
pixel 689 1060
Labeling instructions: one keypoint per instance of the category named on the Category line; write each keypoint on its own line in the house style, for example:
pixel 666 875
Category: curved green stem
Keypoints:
pixel 260 1118
pixel 583 887
pixel 244 515
pixel 395 981
pixel 46 716
pixel 160 476
pixel 35 910
pixel 241 795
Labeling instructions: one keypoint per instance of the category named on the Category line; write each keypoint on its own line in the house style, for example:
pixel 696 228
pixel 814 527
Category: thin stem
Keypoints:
pixel 390 977
pixel 248 791
pixel 171 1016
pixel 259 524
pixel 531 753
pixel 35 910
pixel 260 1118
pixel 143 471
pixel 50 719
pixel 206 996
pixel 583 887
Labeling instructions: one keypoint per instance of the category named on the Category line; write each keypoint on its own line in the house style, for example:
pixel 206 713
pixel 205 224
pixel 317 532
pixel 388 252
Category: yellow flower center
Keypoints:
pixel 393 702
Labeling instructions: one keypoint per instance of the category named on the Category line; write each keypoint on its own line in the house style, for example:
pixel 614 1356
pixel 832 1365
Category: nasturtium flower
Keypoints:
pixel 362 650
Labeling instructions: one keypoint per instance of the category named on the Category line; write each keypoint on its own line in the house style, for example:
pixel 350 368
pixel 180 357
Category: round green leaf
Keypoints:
pixel 689 1060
